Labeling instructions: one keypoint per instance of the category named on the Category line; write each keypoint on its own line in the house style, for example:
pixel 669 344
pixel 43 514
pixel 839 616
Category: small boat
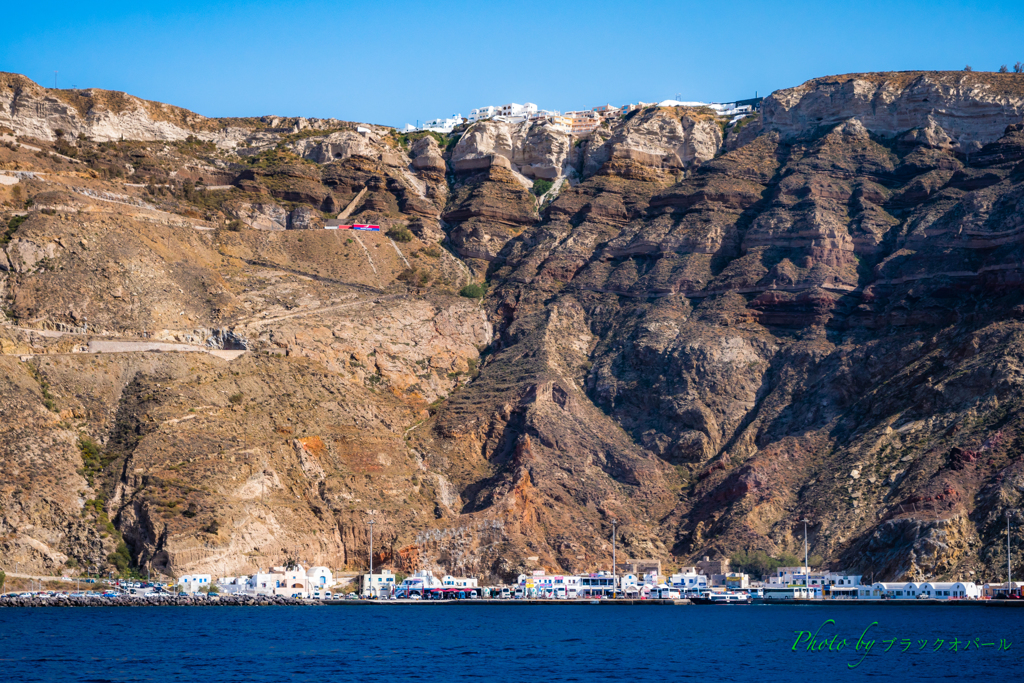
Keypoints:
pixel 727 598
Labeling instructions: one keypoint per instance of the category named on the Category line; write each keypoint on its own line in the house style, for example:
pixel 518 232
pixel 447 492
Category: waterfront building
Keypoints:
pixel 737 581
pixel 319 578
pixel 232 585
pixel 192 583
pixel 538 584
pixel 293 584
pixel 417 583
pixel 264 583
pixel 992 590
pixel 907 590
pixel 449 581
pixel 688 580
pixel 376 585
pixel 597 585
pixel 801 576
pixel 953 590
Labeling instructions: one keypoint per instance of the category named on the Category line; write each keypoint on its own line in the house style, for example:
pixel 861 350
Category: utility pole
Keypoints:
pixel 806 568
pixel 371 553
pixel 54 80
pixel 614 567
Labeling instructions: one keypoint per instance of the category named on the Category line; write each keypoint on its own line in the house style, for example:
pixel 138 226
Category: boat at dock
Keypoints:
pixel 726 598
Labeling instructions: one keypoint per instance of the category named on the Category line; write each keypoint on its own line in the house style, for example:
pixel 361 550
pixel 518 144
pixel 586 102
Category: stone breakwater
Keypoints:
pixel 170 601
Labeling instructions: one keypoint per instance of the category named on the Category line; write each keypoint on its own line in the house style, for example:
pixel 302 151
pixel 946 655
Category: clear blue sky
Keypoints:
pixel 393 61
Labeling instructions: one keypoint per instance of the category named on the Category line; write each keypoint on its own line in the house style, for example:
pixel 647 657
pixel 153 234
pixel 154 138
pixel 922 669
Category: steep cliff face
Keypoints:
pixel 970 109
pixel 704 340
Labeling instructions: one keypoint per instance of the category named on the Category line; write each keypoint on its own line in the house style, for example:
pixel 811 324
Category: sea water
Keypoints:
pixel 441 643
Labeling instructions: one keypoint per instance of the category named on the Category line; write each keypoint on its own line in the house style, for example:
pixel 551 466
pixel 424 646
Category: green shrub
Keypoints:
pixel 12 225
pixel 235 398
pixel 121 558
pixel 541 186
pixel 758 563
pixel 399 233
pixel 236 225
pixel 474 290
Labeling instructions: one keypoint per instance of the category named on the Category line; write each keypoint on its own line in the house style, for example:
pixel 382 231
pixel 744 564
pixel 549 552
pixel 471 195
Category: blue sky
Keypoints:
pixel 393 61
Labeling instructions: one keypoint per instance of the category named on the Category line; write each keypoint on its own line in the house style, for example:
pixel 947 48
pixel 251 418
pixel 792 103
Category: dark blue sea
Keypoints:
pixel 515 643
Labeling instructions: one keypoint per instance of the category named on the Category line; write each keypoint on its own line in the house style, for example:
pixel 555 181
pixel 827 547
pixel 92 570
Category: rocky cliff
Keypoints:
pixel 705 332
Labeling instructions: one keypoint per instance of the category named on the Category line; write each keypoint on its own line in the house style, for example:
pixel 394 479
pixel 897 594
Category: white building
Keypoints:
pixel 294 583
pixel 801 576
pixel 509 112
pixel 482 113
pixel 232 585
pixel 688 580
pixel 192 583
pixel 905 590
pixel 539 584
pixel 264 583
pixel 377 585
pixel 319 578
pixel 417 584
pixel 458 582
pixel 443 125
pixel 599 584
pixel 953 590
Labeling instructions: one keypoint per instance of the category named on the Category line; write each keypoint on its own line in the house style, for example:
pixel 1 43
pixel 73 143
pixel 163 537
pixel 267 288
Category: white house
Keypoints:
pixel 511 112
pixel 900 590
pixel 417 583
pixel 319 578
pixel 192 583
pixel 294 583
pixel 443 125
pixel 376 585
pixel 458 582
pixel 953 590
pixel 539 584
pixel 800 576
pixel 482 113
pixel 264 583
pixel 232 584
pixel 688 580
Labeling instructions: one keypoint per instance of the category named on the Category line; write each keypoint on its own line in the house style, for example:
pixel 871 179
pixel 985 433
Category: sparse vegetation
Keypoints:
pixel 541 186
pixel 759 564
pixel 121 558
pixel 236 398
pixel 11 227
pixel 474 290
pixel 399 233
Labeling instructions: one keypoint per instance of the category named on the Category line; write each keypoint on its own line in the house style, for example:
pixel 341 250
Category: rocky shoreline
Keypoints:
pixel 148 601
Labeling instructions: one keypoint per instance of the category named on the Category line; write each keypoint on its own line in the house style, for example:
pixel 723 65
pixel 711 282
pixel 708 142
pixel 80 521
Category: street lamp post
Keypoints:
pixel 615 570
